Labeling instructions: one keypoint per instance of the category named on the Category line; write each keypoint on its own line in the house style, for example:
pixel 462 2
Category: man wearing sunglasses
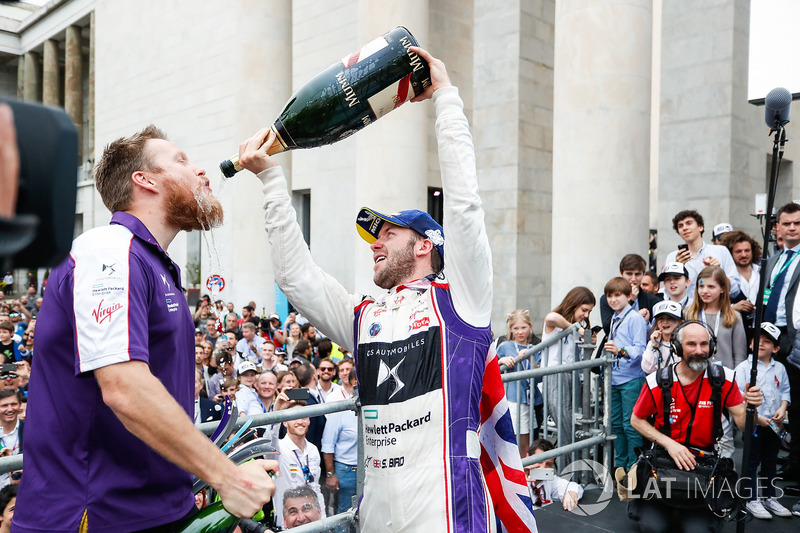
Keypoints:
pixel 299 464
pixel 325 384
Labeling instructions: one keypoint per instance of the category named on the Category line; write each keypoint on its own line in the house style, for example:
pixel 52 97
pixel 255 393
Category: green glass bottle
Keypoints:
pixel 213 519
pixel 349 95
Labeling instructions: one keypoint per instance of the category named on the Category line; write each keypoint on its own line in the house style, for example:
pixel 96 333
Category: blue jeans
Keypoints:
pixel 623 398
pixel 348 478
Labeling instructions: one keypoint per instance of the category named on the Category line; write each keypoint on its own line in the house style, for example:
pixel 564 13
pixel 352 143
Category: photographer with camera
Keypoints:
pixel 690 426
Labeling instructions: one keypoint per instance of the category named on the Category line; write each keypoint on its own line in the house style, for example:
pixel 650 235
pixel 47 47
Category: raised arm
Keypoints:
pixel 467 256
pixel 318 296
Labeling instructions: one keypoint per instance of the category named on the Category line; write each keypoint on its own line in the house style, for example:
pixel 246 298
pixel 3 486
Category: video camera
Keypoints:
pixel 40 235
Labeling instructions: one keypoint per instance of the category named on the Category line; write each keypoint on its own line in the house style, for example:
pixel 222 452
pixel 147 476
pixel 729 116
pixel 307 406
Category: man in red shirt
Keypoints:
pixel 691 426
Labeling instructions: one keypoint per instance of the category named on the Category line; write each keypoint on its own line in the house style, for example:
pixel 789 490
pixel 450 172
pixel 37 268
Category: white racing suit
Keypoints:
pixel 420 350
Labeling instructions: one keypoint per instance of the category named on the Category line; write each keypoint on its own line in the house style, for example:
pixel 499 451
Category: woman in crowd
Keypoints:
pixel 575 307
pixel 658 353
pixel 292 340
pixel 287 380
pixel 520 338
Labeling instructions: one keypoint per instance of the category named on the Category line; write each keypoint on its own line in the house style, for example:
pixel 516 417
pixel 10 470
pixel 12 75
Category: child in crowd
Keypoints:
pixel 544 485
pixel 520 335
pixel 712 307
pixel 626 340
pixel 658 353
pixel 246 397
pixel 8 498
pixel 224 361
pixel 676 282
pixel 575 307
pixel 228 388
pixel 766 443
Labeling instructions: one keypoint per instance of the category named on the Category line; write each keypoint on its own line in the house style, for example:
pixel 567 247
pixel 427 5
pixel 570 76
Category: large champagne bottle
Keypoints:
pixel 213 519
pixel 349 95
pixel 216 519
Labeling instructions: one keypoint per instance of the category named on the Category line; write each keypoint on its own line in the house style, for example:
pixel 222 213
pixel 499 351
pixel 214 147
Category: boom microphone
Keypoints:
pixel 777 107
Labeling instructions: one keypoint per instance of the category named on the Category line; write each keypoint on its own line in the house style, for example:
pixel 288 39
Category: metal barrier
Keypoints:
pixel 589 427
pixel 594 436
pixel 14 462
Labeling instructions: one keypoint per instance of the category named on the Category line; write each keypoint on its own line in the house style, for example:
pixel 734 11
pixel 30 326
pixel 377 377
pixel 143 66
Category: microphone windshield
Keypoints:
pixel 777 107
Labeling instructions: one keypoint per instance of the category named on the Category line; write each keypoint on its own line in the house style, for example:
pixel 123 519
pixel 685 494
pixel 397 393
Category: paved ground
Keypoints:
pixel 553 518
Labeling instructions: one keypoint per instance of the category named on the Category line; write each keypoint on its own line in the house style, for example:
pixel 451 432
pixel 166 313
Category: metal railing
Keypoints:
pixel 588 427
pixel 594 434
pixel 14 462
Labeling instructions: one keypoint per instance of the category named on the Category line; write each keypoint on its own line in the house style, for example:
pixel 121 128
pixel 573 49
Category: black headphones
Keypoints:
pixel 677 349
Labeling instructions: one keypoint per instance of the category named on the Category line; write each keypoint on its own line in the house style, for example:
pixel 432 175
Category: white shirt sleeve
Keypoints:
pixel 317 295
pixel 467 256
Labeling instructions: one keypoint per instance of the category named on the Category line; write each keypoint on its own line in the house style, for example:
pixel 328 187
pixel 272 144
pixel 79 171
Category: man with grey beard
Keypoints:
pixel 690 430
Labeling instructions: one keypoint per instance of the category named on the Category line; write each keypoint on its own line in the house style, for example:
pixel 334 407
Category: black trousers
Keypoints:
pixel 655 517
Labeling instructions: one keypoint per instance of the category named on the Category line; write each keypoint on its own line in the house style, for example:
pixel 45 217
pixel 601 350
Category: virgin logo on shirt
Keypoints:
pixel 101 314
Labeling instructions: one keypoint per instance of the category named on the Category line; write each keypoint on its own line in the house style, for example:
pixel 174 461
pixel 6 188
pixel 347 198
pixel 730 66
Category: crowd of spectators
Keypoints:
pixel 715 284
pixel 256 360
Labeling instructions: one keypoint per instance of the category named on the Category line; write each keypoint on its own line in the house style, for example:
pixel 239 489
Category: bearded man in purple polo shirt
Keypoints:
pixel 110 443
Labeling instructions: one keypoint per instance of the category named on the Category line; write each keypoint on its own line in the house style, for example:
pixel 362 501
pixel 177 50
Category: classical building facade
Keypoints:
pixel 593 122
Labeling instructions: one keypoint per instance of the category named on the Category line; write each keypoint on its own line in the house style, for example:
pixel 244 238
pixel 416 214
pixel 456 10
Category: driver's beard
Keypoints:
pixel 187 211
pixel 399 267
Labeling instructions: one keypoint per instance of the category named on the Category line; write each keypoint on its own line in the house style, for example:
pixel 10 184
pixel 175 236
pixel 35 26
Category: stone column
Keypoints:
pixel 90 112
pixel 21 78
pixel 73 97
pixel 601 136
pixel 33 78
pixel 50 83
pixel 714 149
pixel 513 121
pixel 392 154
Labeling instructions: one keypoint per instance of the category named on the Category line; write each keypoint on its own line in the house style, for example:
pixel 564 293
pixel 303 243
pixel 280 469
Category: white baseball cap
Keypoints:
pixel 772 331
pixel 719 229
pixel 673 269
pixel 669 308
pixel 245 366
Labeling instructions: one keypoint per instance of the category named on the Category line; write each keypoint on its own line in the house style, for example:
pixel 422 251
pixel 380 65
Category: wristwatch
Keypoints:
pixel 329 474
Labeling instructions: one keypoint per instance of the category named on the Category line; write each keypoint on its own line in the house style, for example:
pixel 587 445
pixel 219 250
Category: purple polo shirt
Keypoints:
pixel 117 297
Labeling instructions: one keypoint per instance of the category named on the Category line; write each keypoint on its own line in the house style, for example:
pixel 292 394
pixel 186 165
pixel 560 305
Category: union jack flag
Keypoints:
pixel 500 460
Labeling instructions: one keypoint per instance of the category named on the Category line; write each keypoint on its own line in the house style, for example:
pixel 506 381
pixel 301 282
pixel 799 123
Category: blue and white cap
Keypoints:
pixel 370 222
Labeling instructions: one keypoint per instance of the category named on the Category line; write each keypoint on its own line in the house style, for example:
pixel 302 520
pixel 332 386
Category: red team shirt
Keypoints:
pixel 691 407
